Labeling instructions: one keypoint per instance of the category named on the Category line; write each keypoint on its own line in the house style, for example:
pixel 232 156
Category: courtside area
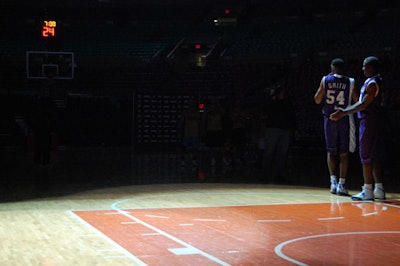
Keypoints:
pixel 200 224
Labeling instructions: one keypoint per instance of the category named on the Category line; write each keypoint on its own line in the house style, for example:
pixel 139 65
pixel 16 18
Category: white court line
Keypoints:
pixel 156 216
pixel 274 221
pixel 151 234
pixel 278 248
pixel 175 239
pixel 183 251
pixel 126 253
pixel 186 224
pixel 129 222
pixel 392 205
pixel 369 214
pixel 233 251
pixel 330 218
pixel 226 193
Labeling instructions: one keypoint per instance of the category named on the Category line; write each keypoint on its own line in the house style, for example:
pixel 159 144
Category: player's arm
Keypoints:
pixel 358 106
pixel 355 94
pixel 319 95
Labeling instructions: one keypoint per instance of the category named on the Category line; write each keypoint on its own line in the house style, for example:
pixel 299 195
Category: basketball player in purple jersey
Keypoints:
pixel 370 110
pixel 336 91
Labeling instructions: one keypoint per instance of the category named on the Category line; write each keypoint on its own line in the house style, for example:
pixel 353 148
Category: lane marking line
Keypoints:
pixel 157 216
pixel 184 251
pixel 126 253
pixel 369 214
pixel 173 238
pixel 330 218
pixel 115 204
pixel 150 234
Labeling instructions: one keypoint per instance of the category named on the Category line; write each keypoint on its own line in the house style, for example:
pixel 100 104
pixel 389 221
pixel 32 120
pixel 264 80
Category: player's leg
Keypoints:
pixel 377 151
pixel 379 192
pixel 344 145
pixel 377 171
pixel 371 154
pixel 367 192
pixel 343 167
pixel 332 162
pixel 366 160
pixel 368 175
pixel 378 158
pixel 330 131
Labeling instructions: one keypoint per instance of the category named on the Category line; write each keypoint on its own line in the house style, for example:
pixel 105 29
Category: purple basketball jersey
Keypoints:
pixel 338 91
pixel 375 108
pixel 339 135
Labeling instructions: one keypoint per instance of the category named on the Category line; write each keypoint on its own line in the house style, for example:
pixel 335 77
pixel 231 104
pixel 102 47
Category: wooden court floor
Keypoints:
pixel 200 224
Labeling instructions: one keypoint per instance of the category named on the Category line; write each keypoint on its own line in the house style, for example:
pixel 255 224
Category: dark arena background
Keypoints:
pixel 124 71
pixel 132 67
pixel 110 81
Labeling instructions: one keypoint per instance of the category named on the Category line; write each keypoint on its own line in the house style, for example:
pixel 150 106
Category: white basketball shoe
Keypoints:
pixel 341 190
pixel 364 195
pixel 379 193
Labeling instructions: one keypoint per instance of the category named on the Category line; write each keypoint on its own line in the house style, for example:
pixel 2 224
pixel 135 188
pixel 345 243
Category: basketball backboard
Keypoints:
pixel 45 65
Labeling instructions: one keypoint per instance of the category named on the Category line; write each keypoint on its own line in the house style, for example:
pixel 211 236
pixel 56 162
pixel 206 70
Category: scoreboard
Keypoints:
pixel 49 28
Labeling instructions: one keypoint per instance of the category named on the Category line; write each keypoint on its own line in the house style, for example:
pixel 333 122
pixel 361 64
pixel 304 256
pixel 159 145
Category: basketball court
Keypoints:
pixel 200 224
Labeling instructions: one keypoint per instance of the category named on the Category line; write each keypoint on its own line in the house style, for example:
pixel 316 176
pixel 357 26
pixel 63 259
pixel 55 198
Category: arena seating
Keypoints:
pixel 294 51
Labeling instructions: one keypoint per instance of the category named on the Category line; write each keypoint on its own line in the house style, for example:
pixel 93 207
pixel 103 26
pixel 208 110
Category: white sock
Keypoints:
pixel 333 179
pixel 379 185
pixel 342 181
pixel 368 186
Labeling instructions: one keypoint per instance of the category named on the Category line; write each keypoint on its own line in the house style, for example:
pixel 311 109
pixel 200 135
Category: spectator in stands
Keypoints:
pixel 281 124
pixel 336 90
pixel 370 108
pixel 190 124
pixel 237 117
pixel 213 128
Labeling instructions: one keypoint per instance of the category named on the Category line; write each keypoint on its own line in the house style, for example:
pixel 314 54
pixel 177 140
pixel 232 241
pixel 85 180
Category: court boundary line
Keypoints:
pixel 175 239
pixel 126 253
pixel 113 205
pixel 278 249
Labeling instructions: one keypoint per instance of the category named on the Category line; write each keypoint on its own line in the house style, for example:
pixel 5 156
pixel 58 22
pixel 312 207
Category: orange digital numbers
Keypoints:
pixel 49 28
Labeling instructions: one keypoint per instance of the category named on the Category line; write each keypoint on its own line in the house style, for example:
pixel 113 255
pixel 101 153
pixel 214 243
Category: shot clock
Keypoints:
pixel 49 28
